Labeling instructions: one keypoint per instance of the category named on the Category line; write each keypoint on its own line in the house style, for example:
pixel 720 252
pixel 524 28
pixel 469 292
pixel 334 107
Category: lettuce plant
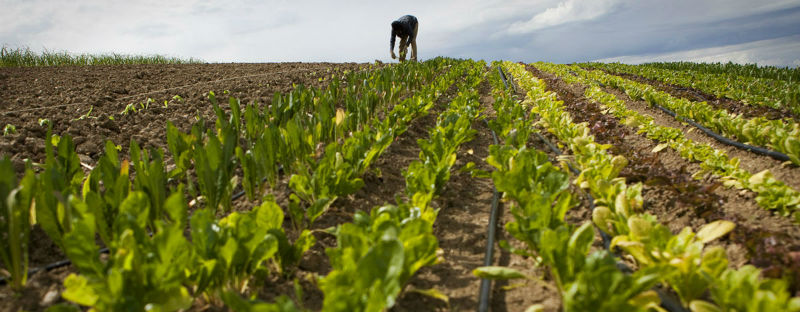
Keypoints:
pixel 16 200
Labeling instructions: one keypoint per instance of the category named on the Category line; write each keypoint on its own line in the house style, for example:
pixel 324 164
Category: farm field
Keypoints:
pixel 357 186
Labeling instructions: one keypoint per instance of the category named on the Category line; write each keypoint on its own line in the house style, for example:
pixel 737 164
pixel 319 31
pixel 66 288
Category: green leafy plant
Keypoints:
pixel 772 193
pixel 128 109
pixel 745 290
pixel 539 199
pixel 679 261
pixel 16 199
pixel 213 156
pixel 378 253
pixel 180 145
pixel 104 190
pixel 151 177
pixel 60 178
pixel 87 115
pixel 236 247
pixel 143 272
pixel 9 129
pixel 752 86
pixel 779 135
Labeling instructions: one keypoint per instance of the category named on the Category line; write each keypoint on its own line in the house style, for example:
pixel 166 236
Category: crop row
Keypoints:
pixel 749 70
pixel 142 220
pixel 682 262
pixel 771 193
pixel 380 250
pixel 782 136
pixel 538 196
pixel 777 94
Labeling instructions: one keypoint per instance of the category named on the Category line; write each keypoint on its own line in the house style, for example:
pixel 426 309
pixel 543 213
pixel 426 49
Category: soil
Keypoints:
pixel 677 200
pixel 64 94
pixel 731 105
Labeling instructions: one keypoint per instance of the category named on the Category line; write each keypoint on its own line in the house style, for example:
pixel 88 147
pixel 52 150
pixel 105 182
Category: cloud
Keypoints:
pixel 565 12
pixel 358 30
pixel 774 52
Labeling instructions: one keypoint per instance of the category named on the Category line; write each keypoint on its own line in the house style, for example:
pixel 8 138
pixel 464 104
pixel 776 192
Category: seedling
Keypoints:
pixel 129 108
pixel 87 115
pixel 9 129
pixel 177 98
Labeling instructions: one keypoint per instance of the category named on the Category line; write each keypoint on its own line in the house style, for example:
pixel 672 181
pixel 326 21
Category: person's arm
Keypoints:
pixel 391 44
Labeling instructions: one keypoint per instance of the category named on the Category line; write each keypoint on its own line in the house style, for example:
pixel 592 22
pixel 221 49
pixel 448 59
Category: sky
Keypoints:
pixel 562 31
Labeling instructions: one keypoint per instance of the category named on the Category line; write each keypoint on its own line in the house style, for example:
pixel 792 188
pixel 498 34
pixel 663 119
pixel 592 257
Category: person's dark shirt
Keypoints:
pixel 403 27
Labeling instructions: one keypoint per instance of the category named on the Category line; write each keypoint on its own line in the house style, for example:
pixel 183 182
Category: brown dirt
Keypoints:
pixel 668 185
pixel 461 227
pixel 62 94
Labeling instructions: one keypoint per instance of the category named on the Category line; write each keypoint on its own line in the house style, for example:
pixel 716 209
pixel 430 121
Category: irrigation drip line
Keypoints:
pixel 66 262
pixel 156 91
pixel 709 132
pixel 668 301
pixel 750 148
pixel 51 266
pixel 606 238
pixel 486 284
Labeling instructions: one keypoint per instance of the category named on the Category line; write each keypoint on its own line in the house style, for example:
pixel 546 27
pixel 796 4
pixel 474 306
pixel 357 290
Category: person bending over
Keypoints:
pixel 406 28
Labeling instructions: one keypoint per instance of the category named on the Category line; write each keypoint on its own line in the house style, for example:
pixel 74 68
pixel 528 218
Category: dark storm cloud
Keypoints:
pixel 632 29
pixel 638 38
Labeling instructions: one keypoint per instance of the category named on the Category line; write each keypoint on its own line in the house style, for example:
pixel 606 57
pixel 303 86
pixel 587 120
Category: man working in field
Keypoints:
pixel 406 28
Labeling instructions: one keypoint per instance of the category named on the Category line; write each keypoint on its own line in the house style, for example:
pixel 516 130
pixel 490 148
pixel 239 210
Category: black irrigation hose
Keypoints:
pixel 668 300
pixel 606 238
pixel 750 148
pixel 51 266
pixel 486 284
pixel 709 132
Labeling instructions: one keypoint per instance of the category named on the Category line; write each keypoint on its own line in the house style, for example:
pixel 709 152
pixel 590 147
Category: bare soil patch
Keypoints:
pixel 64 94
